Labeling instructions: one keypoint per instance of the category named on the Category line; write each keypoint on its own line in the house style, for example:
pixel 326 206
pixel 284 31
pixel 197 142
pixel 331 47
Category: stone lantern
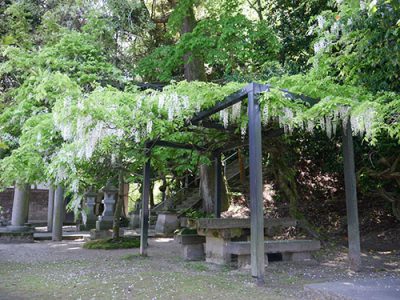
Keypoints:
pixel 90 203
pixel 105 221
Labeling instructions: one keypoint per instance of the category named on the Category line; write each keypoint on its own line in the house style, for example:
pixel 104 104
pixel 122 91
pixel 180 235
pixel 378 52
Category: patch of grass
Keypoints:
pixel 129 256
pixel 110 244
pixel 197 266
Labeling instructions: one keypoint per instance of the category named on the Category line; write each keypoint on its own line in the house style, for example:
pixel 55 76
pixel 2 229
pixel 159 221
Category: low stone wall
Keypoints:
pixel 37 204
pixel 6 200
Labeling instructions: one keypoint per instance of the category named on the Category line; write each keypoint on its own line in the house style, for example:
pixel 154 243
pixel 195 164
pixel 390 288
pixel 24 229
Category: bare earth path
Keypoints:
pixel 64 270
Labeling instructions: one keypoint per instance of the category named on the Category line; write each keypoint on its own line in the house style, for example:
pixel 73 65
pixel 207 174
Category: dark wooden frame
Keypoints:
pixel 251 92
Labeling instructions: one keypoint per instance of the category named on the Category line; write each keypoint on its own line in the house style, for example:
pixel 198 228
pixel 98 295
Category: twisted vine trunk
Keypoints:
pixel 118 206
pixel 285 176
pixel 193 66
pixel 194 70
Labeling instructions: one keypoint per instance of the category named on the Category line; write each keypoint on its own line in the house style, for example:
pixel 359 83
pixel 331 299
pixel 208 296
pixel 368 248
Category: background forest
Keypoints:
pixel 73 111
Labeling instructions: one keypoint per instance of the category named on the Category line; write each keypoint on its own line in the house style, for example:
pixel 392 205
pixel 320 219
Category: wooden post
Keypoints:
pixel 144 220
pixel 218 184
pixel 351 199
pixel 256 185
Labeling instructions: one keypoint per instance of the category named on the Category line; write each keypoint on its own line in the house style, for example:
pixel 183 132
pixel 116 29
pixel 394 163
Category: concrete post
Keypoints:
pixel 58 214
pixel 50 208
pixel 20 207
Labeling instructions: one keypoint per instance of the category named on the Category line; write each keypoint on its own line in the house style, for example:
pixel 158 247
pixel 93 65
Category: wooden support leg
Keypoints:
pixel 256 186
pixel 351 200
pixel 145 209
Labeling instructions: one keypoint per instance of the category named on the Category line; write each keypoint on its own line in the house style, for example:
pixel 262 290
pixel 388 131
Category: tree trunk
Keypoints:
pixel 285 176
pixel 207 187
pixel 151 200
pixel 194 70
pixel 118 206
pixel 242 170
pixel 193 66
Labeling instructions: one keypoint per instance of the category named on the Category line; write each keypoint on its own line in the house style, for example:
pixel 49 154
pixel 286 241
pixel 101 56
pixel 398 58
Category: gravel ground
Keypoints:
pixel 48 270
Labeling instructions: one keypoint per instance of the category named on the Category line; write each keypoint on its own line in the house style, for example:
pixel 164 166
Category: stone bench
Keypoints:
pixel 192 246
pixel 291 250
pixel 220 232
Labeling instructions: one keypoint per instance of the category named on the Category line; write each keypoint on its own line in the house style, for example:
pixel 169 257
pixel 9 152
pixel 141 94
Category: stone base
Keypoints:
pixel 100 234
pixel 88 226
pixel 103 234
pixel 244 261
pixel 104 224
pixel 183 222
pixel 216 251
pixel 167 223
pixel 13 235
pixel 24 228
pixel 134 221
pixel 193 252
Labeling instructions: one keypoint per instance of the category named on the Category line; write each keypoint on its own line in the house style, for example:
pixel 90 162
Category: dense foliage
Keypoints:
pixel 72 114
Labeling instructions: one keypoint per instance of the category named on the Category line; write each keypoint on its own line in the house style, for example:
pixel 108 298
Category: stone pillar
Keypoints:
pixel 105 221
pixel 50 208
pixel 58 214
pixel 90 203
pixel 20 207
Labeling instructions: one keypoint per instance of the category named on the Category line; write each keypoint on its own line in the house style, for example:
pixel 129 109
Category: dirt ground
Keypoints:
pixel 48 270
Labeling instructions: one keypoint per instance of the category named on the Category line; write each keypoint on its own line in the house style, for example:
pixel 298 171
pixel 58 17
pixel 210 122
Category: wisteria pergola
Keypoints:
pixel 251 92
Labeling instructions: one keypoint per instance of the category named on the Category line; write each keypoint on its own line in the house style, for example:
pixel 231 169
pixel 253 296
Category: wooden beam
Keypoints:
pixel 176 145
pixel 153 86
pixel 353 230
pixel 228 101
pixel 256 187
pixel 304 98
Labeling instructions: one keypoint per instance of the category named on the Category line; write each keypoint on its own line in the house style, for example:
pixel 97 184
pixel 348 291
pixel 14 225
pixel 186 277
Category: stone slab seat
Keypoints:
pixel 231 223
pixel 293 250
pixel 234 227
pixel 215 223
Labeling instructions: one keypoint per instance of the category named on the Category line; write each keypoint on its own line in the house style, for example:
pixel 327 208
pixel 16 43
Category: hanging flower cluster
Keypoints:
pixel 326 115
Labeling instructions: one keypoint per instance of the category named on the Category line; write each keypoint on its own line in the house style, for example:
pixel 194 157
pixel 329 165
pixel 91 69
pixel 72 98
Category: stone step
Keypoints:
pixel 45 236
